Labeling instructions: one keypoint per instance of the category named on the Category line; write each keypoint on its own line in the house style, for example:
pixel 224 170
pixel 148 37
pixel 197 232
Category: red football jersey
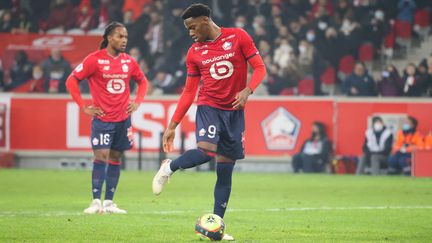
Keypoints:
pixel 108 79
pixel 222 65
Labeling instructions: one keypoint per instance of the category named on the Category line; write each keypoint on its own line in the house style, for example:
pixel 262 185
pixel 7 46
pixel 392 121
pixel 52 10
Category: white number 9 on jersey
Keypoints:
pixel 221 70
pixel 116 86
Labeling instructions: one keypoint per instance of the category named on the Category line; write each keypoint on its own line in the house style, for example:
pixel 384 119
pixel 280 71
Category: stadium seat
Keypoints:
pixel 288 91
pixel 306 87
pixel 422 23
pixel 366 54
pixel 403 31
pixel 388 47
pixel 328 80
pixel 346 65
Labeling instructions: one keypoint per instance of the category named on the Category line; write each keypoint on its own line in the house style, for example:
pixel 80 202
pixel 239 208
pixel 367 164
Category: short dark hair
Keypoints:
pixel 196 10
pixel 413 121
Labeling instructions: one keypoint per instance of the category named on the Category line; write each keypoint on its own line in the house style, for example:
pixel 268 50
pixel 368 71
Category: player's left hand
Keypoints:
pixel 132 107
pixel 241 98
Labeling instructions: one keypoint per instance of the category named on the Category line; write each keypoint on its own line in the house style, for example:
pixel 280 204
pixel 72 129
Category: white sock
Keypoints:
pixel 168 169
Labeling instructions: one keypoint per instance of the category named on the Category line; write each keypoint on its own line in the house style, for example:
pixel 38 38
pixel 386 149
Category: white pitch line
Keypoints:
pixel 168 212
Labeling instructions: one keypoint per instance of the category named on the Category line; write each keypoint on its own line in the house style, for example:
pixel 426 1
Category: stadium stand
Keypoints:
pixel 340 31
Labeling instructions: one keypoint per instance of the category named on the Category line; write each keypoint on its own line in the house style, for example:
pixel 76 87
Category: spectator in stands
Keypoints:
pixel 411 83
pixel 283 54
pixel 56 69
pixel 315 152
pixel 343 10
pixel 351 36
pixel 135 53
pixel 20 72
pixel 128 19
pixel 330 46
pixel 6 23
pixel 165 81
pixel 23 24
pixel 154 35
pixel 108 11
pixel 390 83
pixel 37 83
pixel 139 29
pixel 61 15
pixel 406 10
pixel 376 29
pixel 311 64
pixel 359 83
pixel 276 83
pixel 84 16
pixel 424 78
pixel 376 148
pixel 408 140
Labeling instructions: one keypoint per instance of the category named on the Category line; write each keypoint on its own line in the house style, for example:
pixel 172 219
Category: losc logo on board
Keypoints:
pixel 56 41
pixel 280 130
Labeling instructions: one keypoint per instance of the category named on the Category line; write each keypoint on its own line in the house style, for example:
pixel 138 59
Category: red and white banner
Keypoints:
pixel 274 126
pixel 38 47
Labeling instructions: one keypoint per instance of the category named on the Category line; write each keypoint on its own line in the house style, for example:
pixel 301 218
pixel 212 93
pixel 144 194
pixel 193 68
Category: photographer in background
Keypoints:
pixel 408 139
pixel 376 148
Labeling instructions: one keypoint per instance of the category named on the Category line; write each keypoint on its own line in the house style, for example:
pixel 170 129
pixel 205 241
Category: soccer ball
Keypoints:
pixel 210 227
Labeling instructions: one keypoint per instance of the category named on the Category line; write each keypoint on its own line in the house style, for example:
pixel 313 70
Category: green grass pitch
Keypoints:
pixel 46 206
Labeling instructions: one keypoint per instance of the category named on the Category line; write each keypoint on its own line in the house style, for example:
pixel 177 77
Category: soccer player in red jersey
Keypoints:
pixel 219 58
pixel 108 72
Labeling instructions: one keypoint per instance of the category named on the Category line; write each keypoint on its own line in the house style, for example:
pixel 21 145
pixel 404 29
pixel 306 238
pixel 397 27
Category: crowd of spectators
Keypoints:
pixel 306 44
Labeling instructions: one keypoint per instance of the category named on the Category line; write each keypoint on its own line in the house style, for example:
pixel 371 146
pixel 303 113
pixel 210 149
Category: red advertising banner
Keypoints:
pixel 352 117
pixel 274 126
pixel 38 47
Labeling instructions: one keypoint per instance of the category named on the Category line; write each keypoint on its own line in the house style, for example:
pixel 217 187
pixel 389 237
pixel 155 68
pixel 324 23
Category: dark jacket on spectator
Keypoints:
pixel 365 85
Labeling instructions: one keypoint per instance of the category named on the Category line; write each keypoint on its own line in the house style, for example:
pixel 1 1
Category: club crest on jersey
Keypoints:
pixel 202 132
pixel 227 46
pixel 125 68
pixel 95 141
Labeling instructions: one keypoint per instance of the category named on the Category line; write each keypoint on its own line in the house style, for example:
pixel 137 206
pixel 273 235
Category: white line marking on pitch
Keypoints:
pixel 168 212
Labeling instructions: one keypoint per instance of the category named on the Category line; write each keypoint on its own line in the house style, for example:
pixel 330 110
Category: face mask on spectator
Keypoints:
pixel 239 24
pixel 310 37
pixel 385 74
pixel 378 126
pixel 379 15
pixel 37 75
pixel 302 49
pixel 406 127
pixel 322 25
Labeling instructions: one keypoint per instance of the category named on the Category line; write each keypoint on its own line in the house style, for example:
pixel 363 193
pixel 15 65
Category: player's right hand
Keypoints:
pixel 167 140
pixel 93 111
